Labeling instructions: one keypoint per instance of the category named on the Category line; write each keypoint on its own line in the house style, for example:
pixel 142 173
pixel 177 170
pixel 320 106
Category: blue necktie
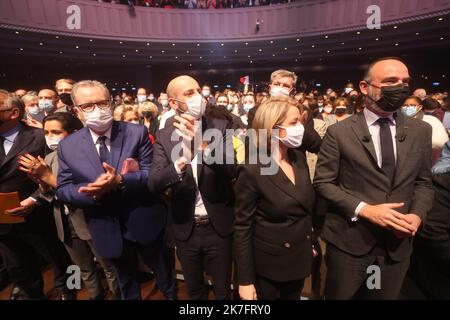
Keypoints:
pixel 103 150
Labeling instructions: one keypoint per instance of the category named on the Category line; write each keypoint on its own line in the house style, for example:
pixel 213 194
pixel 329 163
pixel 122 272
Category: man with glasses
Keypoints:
pixel 124 218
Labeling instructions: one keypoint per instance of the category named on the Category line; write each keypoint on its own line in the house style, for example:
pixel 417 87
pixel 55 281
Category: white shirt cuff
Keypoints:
pixel 358 210
pixel 177 169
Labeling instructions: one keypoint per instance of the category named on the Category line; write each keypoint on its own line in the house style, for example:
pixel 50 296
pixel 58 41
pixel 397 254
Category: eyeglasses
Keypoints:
pixel 90 106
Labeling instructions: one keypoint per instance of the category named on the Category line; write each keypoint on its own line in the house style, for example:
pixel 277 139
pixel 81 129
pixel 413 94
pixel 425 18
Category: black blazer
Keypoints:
pixel 272 230
pixel 29 140
pixel 347 173
pixel 215 182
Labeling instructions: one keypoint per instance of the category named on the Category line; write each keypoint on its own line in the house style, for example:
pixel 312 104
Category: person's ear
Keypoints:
pixel 363 86
pixel 173 104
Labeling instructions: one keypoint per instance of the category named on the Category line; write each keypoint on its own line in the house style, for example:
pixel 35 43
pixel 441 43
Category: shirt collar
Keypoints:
pixel 12 134
pixel 372 117
pixel 95 136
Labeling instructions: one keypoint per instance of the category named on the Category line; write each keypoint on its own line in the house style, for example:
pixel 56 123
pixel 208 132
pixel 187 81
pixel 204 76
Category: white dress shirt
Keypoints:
pixel 200 209
pixel 10 136
pixel 95 137
pixel 374 129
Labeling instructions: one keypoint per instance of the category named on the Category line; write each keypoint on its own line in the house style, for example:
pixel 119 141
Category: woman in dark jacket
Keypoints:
pixel 272 238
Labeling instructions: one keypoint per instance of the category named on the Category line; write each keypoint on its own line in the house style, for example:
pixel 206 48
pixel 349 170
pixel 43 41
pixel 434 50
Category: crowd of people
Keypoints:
pixel 198 4
pixel 104 185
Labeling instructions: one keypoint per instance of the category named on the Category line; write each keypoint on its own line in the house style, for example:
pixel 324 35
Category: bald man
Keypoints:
pixel 201 196
pixel 374 171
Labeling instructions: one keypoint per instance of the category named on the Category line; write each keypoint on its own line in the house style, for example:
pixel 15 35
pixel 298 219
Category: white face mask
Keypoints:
pixel 294 136
pixel 196 106
pixel 328 109
pixel 52 142
pixel 206 93
pixel 279 91
pixel 142 98
pixel 99 120
pixel 248 106
pixel 348 90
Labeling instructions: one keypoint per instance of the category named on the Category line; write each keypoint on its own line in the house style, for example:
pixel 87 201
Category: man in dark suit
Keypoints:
pixel 123 217
pixel 374 170
pixel 201 198
pixel 19 243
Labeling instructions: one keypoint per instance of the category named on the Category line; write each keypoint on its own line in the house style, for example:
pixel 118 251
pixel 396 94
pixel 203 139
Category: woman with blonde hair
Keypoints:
pixel 272 235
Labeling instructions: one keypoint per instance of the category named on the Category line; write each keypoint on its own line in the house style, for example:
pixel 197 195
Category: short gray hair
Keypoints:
pixel 29 97
pixel 284 73
pixel 12 101
pixel 87 84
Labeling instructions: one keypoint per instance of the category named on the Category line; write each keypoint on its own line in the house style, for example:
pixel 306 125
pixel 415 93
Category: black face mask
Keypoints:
pixel 340 111
pixel 66 99
pixel 146 114
pixel 392 97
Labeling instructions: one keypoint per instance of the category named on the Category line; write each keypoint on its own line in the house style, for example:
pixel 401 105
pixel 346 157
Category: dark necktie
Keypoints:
pixel 387 148
pixel 2 150
pixel 103 150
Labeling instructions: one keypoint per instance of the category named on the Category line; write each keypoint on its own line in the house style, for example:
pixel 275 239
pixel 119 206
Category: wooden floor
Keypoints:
pixel 149 290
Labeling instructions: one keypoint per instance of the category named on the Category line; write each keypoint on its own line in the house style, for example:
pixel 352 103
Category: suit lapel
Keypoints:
pixel 23 140
pixel 116 144
pixel 91 152
pixel 359 126
pixel 402 142
pixel 283 183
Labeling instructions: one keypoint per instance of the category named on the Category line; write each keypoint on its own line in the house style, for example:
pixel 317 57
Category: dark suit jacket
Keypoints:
pixel 76 216
pixel 214 182
pixel 272 230
pixel 132 213
pixel 347 173
pixel 29 140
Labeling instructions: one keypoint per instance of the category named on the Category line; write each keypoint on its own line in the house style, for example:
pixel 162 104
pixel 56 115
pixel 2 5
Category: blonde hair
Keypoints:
pixel 59 81
pixel 126 109
pixel 148 105
pixel 270 114
pixel 283 73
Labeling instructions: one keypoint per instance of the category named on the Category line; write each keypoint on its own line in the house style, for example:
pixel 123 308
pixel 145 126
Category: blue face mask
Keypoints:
pixel 248 107
pixel 34 111
pixel 409 111
pixel 46 105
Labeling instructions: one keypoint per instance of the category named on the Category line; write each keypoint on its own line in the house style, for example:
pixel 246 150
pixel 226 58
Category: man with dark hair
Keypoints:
pixel 374 171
